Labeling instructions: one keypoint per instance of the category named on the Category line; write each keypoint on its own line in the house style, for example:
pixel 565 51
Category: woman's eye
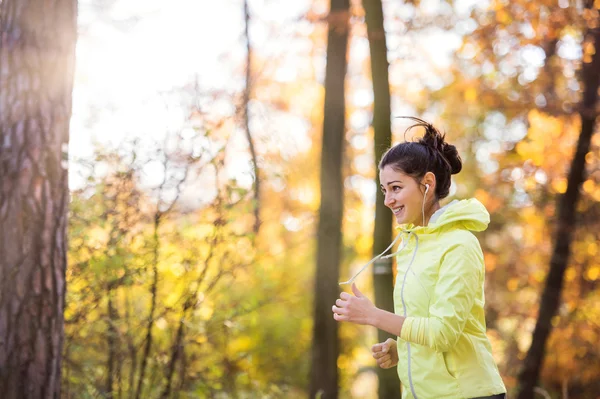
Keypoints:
pixel 396 188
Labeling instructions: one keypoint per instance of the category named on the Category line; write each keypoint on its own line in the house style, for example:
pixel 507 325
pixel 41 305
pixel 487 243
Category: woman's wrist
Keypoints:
pixel 375 317
pixel 387 321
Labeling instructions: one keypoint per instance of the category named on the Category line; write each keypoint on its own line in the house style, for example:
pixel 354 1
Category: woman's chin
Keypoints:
pixel 402 220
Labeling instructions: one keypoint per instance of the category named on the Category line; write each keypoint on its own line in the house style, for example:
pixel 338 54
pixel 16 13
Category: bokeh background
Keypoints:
pixel 173 290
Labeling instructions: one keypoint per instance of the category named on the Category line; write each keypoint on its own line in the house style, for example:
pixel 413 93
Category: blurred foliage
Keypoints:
pixel 233 310
pixel 516 76
pixel 228 299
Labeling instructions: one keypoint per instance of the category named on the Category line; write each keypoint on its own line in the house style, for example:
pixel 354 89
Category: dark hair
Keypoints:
pixel 428 154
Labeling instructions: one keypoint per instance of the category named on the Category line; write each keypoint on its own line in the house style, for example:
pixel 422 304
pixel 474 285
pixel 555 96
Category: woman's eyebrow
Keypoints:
pixel 395 181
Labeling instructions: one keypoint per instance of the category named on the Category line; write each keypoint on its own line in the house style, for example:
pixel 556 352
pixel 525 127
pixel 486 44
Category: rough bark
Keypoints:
pixel 37 54
pixel 567 206
pixel 325 347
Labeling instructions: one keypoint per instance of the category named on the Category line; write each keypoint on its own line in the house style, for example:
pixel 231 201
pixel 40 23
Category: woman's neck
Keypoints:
pixel 429 211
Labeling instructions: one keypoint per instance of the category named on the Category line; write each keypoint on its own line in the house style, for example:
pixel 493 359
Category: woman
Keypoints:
pixel 442 351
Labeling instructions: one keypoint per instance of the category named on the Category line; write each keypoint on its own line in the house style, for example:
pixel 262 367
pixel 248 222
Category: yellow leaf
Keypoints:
pixel 363 245
pixel 503 17
pixel 539 275
pixel 241 344
pixel 592 248
pixel 206 312
pixel 343 362
pixel 530 184
pixel 559 185
pixel 490 261
pixel 593 273
pixel 589 186
pixel 589 157
pixel 471 95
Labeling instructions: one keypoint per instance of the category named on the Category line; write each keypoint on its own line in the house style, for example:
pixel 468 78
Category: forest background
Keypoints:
pixel 195 171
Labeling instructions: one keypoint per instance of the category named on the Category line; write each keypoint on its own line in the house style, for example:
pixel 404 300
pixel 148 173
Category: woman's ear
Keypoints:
pixel 429 178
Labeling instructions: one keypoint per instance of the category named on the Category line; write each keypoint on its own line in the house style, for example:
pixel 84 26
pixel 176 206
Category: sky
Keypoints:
pixel 127 70
pixel 134 55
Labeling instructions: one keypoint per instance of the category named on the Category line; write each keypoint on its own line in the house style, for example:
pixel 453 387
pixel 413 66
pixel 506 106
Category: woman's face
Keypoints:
pixel 403 195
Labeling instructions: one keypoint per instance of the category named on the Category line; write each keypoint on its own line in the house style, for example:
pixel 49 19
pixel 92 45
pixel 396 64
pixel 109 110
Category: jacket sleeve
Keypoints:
pixel 459 280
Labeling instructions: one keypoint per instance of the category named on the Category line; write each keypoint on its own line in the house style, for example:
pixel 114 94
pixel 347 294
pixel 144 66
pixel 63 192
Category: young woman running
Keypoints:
pixel 442 351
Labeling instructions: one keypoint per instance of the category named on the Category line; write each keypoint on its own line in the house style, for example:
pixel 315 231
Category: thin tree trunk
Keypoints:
pixel 130 346
pixel 177 349
pixel 150 322
pixel 37 54
pixel 325 349
pixel 66 387
pixel 176 352
pixel 182 374
pixel 189 305
pixel 111 339
pixel 120 358
pixel 383 280
pixel 567 206
pixel 247 94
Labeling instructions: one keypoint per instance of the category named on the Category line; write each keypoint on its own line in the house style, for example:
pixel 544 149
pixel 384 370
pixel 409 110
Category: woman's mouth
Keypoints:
pixel 398 209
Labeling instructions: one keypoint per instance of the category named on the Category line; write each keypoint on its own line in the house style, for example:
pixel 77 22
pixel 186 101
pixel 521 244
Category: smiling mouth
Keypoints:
pixel 398 210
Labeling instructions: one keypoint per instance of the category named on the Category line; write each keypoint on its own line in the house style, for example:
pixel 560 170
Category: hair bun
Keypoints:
pixel 451 154
pixel 436 141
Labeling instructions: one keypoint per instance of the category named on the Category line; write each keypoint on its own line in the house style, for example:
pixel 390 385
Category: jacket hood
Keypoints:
pixel 469 214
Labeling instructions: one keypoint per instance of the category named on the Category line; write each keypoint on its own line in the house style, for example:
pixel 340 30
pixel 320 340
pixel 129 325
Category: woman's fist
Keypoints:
pixel 386 353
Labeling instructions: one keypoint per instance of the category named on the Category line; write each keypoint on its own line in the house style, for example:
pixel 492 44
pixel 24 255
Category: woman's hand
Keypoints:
pixel 386 353
pixel 355 309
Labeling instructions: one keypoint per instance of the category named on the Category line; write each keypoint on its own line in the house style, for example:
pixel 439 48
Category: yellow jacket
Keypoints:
pixel 443 349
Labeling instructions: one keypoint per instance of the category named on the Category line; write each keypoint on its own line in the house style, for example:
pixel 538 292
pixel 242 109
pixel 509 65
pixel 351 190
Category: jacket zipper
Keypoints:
pixel 412 387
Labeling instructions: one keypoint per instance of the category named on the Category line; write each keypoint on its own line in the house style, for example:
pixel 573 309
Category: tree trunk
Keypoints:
pixel 37 54
pixel 383 280
pixel 325 349
pixel 176 352
pixel 148 340
pixel 131 347
pixel 567 206
pixel 111 338
pixel 246 105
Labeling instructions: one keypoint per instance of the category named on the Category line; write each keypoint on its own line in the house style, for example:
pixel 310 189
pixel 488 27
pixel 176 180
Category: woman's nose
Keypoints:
pixel 389 200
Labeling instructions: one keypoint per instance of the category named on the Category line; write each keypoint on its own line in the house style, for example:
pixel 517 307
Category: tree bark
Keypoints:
pixel 131 347
pixel 383 280
pixel 37 54
pixel 111 338
pixel 148 340
pixel 567 206
pixel 176 352
pixel 325 349
pixel 247 93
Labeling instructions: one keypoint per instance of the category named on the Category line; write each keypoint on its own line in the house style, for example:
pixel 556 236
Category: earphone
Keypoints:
pixel 423 209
